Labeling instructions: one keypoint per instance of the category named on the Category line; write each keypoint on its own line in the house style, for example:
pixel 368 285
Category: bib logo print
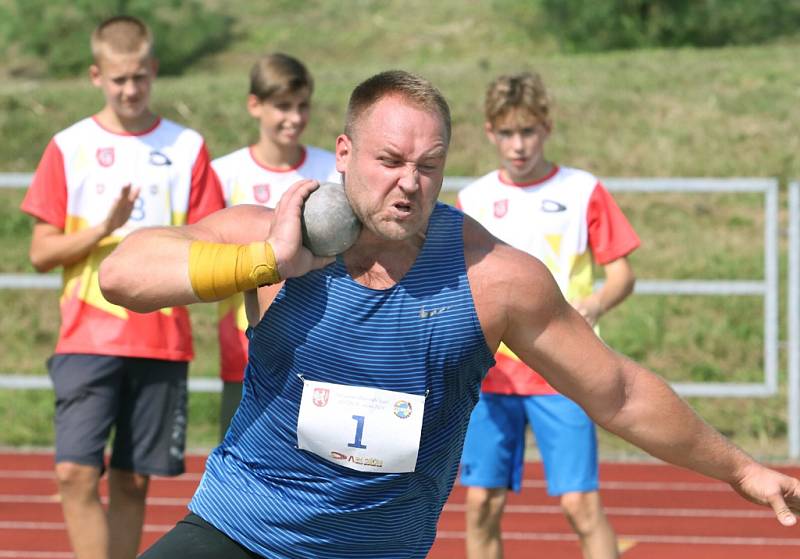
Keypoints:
pixel 402 409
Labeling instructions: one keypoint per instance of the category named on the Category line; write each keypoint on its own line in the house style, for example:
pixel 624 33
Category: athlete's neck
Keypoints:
pixel 379 263
pixel 277 157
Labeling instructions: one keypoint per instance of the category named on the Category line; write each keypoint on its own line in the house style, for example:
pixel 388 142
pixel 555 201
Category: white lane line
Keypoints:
pixel 641 538
pixel 634 511
pixel 54 500
pixel 48 474
pixel 647 485
pixel 12 525
pixel 458 508
pixel 36 554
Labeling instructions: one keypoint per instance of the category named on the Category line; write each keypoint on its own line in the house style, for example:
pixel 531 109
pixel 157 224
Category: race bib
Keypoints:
pixel 364 429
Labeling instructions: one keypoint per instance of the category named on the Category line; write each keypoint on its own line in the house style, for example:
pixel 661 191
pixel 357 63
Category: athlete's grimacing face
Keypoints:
pixel 125 80
pixel 393 167
pixel 519 138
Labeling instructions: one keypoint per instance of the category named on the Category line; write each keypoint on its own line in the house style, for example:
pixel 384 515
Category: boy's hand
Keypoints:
pixel 121 210
pixel 589 308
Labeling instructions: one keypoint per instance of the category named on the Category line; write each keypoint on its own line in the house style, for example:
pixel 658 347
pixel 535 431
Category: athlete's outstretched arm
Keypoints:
pixel 150 269
pixel 518 302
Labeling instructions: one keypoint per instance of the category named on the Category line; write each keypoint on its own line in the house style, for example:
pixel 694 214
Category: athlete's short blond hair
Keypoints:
pixel 121 35
pixel 412 88
pixel 277 74
pixel 523 92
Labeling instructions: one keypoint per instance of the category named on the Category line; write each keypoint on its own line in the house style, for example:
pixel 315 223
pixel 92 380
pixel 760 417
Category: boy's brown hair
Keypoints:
pixel 524 91
pixel 121 35
pixel 278 74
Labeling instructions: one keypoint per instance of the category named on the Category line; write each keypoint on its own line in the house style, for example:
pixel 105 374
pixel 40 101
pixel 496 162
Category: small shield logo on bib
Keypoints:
pixel 321 397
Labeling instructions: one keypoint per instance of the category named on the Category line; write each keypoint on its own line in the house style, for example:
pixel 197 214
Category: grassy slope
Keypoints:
pixel 722 112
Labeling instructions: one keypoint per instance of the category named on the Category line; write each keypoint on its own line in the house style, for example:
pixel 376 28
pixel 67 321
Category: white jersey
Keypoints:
pixel 77 182
pixel 246 181
pixel 564 219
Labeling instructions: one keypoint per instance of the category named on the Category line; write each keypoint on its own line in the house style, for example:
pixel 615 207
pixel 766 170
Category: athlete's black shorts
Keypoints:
pixel 195 538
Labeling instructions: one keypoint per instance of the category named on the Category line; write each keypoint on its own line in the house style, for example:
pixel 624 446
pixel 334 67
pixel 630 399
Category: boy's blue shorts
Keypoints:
pixel 494 450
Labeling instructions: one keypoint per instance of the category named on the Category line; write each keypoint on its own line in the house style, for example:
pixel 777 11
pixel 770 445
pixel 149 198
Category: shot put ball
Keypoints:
pixel 329 225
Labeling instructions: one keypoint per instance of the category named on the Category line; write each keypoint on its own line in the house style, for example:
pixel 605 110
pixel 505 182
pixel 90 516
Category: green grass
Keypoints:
pixel 689 112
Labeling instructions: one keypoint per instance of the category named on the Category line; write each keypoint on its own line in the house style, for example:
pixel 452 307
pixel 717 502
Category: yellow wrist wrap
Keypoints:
pixel 218 270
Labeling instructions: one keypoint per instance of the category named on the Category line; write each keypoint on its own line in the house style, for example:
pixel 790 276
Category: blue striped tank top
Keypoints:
pixel 421 336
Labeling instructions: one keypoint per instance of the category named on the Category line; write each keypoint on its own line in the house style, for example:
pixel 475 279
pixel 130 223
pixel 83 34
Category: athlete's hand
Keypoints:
pixel 121 210
pixel 285 235
pixel 767 487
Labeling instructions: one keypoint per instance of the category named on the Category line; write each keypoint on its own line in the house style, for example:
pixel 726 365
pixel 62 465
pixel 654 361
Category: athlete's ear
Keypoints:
pixel 344 149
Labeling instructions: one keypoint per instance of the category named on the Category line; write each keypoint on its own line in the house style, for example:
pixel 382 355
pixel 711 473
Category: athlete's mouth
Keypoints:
pixel 403 207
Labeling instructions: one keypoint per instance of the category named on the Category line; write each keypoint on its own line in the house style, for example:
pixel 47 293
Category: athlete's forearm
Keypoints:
pixel 655 419
pixel 149 270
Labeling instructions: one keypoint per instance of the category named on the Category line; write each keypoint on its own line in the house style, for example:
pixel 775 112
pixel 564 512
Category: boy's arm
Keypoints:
pixel 618 285
pixel 51 247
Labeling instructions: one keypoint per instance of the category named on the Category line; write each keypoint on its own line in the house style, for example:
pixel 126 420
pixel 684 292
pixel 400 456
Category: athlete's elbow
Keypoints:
pixel 115 284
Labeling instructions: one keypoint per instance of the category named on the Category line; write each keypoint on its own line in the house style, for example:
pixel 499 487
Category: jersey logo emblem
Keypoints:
pixel 402 409
pixel 321 397
pixel 159 159
pixel 261 192
pixel 105 156
pixel 501 208
pixel 551 206
pixel 431 313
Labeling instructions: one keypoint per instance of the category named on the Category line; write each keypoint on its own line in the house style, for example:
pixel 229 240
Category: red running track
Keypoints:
pixel 658 511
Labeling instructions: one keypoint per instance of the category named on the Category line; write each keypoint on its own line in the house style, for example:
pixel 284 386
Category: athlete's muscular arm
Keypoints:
pixel 150 268
pixel 519 303
pixel 51 247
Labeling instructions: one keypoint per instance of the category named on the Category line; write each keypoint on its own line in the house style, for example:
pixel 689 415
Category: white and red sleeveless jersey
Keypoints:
pixel 566 220
pixel 75 185
pixel 246 181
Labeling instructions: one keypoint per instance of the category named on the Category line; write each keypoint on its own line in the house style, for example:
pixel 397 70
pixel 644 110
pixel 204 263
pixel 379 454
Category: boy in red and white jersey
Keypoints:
pixel 567 219
pixel 280 99
pixel 102 178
